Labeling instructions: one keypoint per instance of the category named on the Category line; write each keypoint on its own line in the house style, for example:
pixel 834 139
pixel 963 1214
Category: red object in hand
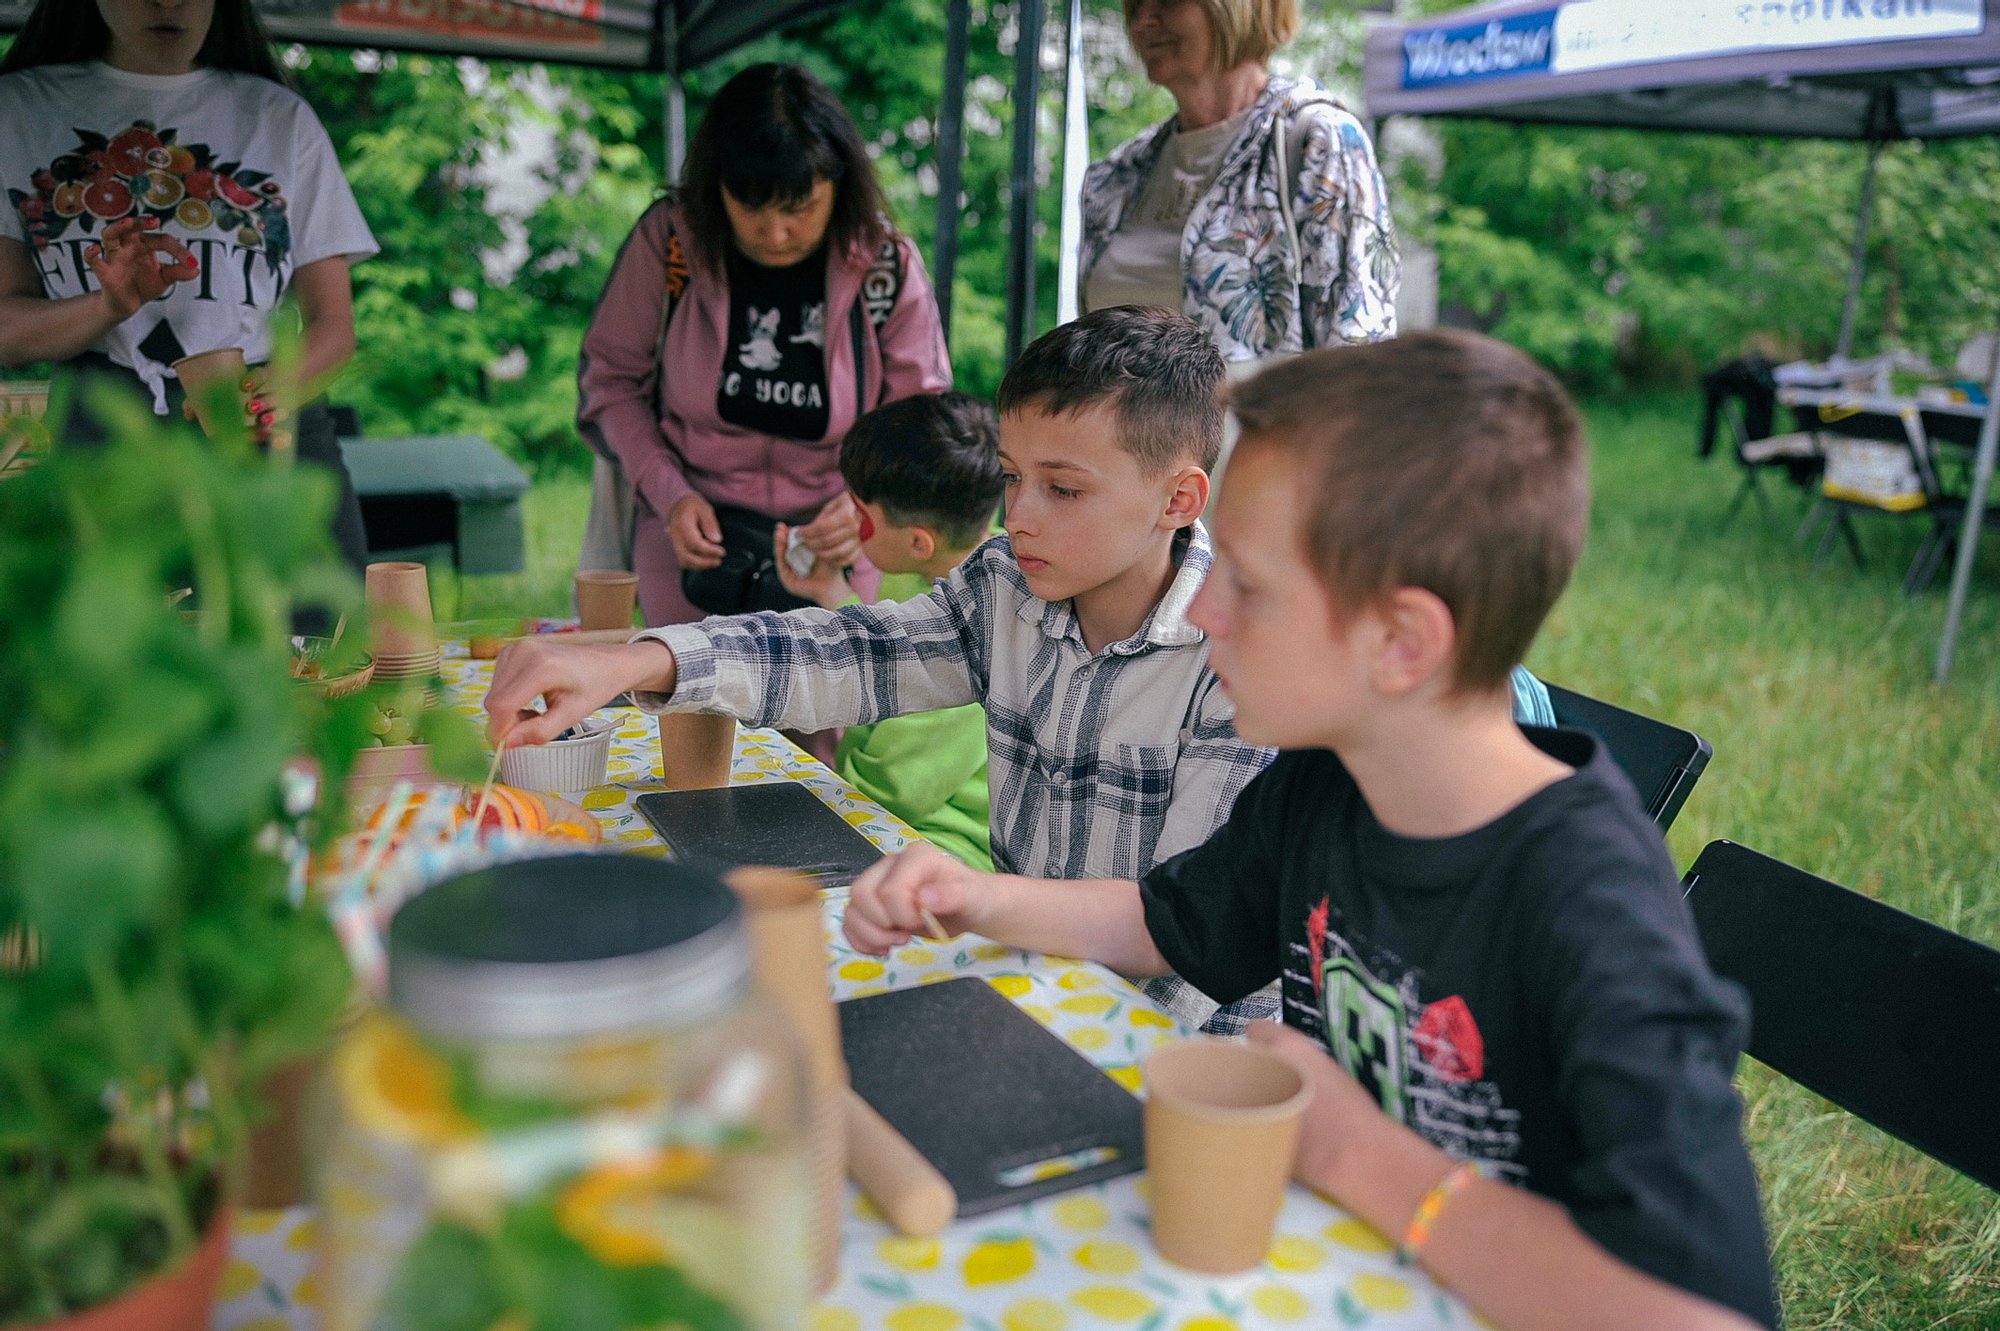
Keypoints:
pixel 867 524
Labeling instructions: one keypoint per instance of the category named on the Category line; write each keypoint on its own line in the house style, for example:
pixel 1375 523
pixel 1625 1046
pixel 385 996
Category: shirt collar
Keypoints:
pixel 1166 626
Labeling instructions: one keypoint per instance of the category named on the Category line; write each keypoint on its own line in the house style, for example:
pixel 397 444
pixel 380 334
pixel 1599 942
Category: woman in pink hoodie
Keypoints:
pixel 748 320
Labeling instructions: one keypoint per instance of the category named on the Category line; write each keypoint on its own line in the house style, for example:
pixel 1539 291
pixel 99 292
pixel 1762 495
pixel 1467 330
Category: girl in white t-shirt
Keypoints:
pixel 165 189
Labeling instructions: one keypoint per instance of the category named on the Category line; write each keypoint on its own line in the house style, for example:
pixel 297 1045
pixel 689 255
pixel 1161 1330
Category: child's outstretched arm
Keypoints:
pixel 1099 919
pixel 1516 1257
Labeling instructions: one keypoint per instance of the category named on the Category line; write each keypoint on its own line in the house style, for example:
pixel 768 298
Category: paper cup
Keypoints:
pixel 605 598
pixel 1222 1121
pixel 788 958
pixel 399 614
pixel 201 373
pixel 696 750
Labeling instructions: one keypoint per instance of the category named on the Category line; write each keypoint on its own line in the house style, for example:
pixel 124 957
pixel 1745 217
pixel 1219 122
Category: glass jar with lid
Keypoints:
pixel 573 1112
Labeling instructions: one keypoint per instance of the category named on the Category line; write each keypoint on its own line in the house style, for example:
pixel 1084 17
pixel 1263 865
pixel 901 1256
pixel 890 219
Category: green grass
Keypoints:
pixel 1833 750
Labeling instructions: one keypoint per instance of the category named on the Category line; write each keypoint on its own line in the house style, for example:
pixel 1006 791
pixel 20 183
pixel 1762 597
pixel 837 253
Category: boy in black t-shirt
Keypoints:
pixel 1478 923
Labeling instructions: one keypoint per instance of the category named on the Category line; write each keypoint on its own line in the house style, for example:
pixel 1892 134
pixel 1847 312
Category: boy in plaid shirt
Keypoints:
pixel 1110 745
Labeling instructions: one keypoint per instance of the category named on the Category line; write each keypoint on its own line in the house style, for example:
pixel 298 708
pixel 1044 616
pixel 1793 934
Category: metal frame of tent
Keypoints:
pixel 1876 71
pixel 673 37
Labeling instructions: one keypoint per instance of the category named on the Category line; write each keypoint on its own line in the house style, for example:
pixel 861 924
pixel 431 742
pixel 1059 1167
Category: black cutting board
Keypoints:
pixel 985 1093
pixel 780 823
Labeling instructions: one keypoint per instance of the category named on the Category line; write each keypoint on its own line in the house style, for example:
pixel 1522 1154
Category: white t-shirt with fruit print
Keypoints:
pixel 237 168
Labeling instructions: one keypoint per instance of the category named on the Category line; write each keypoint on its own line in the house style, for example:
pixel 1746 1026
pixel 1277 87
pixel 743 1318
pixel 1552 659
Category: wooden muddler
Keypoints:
pixel 906 1189
pixel 788 961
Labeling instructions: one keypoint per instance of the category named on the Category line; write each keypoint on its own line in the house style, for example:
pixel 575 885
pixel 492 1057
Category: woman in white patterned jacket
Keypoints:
pixel 1258 210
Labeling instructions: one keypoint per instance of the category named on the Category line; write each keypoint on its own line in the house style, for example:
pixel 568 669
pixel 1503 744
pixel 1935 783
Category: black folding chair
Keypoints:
pixel 1888 1016
pixel 1662 761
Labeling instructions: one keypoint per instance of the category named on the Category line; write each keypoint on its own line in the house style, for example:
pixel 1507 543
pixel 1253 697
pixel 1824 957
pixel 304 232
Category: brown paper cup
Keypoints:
pixel 1222 1120
pixel 788 959
pixel 399 612
pixel 696 750
pixel 199 374
pixel 605 598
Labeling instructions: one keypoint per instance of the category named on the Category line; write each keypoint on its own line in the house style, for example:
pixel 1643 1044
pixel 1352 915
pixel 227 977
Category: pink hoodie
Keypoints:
pixel 660 421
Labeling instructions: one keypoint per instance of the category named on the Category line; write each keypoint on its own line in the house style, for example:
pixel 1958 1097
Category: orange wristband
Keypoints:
pixel 1428 1210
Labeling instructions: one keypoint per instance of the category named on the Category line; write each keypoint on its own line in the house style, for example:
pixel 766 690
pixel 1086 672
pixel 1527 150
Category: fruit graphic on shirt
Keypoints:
pixel 235 193
pixel 127 152
pixel 163 189
pixel 108 199
pixel 147 169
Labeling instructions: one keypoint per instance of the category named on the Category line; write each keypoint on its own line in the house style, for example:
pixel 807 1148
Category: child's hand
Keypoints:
pixel 574 679
pixel 826 585
pixel 887 905
pixel 835 534
pixel 1340 1110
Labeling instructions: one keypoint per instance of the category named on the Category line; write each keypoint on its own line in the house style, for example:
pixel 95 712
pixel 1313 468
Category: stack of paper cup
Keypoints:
pixel 399 615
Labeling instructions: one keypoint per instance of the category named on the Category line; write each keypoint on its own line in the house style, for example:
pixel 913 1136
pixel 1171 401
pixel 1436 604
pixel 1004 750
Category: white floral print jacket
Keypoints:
pixel 1256 285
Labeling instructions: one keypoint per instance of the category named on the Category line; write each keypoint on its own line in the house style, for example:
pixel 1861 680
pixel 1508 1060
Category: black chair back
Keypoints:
pixel 1890 1017
pixel 1662 761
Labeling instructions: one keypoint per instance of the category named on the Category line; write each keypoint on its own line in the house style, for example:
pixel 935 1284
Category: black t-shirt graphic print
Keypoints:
pixel 774 368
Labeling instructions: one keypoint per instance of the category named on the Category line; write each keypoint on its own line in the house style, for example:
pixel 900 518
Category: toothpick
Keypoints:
pixel 493 772
pixel 938 934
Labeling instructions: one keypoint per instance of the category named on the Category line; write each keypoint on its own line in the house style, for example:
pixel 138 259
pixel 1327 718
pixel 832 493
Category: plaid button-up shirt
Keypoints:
pixel 1100 764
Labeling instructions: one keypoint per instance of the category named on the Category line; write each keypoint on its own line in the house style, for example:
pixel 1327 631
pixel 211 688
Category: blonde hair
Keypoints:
pixel 1245 31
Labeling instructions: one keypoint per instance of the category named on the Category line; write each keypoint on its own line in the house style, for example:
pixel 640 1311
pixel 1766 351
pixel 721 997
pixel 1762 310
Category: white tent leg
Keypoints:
pixel 1076 156
pixel 1975 523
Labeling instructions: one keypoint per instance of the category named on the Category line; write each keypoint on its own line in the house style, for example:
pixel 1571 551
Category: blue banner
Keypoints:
pixel 1498 48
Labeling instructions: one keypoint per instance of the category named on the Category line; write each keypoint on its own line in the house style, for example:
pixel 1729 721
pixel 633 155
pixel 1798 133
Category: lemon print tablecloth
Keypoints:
pixel 1074 1262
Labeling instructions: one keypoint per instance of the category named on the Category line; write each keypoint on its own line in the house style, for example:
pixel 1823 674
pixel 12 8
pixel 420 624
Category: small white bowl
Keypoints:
pixel 562 766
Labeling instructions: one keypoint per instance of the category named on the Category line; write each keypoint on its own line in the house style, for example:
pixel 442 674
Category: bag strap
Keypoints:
pixel 881 288
pixel 675 283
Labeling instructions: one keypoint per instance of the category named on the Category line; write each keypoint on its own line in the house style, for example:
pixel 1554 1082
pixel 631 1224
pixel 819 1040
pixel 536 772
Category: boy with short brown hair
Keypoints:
pixel 1477 923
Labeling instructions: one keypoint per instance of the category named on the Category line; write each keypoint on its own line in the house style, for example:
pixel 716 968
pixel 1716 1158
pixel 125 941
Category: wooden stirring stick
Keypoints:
pixel 938 934
pixel 493 772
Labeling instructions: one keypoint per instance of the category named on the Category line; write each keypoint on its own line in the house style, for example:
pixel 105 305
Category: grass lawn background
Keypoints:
pixel 1833 750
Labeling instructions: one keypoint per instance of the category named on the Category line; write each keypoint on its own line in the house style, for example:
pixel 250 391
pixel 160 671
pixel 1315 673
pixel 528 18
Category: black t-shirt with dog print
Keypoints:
pixel 1530 994
pixel 774 369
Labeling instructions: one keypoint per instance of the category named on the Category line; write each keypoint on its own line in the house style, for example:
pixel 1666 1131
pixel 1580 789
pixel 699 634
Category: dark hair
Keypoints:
pixel 1157 369
pixel 931 460
pixel 767 136
pixel 1442 460
pixel 69 32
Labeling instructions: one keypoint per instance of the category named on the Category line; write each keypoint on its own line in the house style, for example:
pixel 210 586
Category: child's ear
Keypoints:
pixel 1417 641
pixel 1187 499
pixel 923 543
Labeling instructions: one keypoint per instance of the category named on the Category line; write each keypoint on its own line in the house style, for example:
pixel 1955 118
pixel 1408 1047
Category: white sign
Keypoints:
pixel 1601 34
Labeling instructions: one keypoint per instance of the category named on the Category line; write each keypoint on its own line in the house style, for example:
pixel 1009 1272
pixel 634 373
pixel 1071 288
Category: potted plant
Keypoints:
pixel 156 963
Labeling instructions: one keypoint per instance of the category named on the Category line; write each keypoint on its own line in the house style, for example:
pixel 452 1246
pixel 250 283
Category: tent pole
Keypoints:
pixel 1858 264
pixel 675 128
pixel 1076 156
pixel 1021 188
pixel 950 155
pixel 1974 524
